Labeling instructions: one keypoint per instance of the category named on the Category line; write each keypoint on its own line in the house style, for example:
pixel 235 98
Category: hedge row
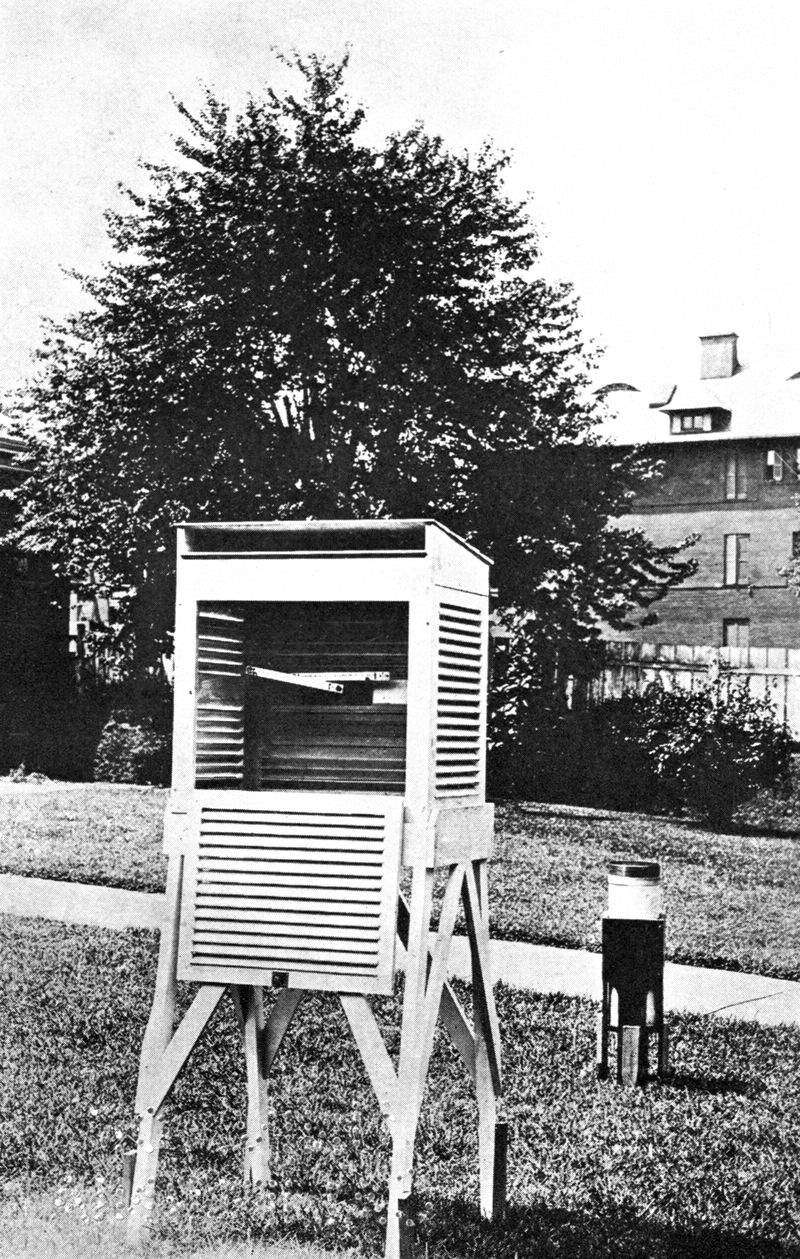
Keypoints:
pixel 106 736
pixel 704 752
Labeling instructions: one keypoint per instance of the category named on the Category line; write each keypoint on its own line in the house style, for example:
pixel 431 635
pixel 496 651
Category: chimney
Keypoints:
pixel 718 356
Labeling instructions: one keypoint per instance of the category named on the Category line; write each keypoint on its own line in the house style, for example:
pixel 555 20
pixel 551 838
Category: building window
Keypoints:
pixel 735 475
pixel 737 547
pixel 773 466
pixel 691 422
pixel 736 633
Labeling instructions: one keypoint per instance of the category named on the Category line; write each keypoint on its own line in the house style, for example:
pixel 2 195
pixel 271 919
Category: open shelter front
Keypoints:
pixel 302 696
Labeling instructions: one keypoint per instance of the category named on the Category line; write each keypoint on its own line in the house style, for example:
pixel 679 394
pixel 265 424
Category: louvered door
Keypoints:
pixel 301 886
pixel 461 678
pixel 219 720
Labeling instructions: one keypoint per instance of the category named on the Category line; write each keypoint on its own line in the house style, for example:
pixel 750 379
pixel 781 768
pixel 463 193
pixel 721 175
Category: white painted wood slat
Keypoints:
pixel 459 684
pixel 219 718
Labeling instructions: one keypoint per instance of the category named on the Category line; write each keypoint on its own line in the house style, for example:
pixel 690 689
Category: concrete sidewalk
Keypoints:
pixel 86 904
pixel 696 989
pixel 536 967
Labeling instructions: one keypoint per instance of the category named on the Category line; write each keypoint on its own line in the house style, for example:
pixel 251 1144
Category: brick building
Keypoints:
pixel 728 445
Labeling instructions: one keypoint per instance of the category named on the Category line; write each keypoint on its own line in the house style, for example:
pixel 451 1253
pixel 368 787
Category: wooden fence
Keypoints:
pixel 771 673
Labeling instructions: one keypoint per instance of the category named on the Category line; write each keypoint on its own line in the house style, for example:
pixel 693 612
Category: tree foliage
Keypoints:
pixel 295 323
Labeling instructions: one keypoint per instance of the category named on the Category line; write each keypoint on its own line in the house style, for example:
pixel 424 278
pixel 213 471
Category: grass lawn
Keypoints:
pixel 88 1222
pixel 703 1164
pixel 84 833
pixel 733 900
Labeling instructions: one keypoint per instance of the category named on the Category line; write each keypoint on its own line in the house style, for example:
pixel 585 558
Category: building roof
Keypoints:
pixel 761 404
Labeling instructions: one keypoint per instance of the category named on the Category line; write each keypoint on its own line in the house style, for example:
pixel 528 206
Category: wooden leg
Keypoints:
pixel 166 1069
pixel 402 1119
pixel 401 1232
pixel 156 1038
pixel 488 1080
pixel 436 979
pixel 156 1080
pixel 482 988
pixel 280 1017
pixel 164 1055
pixel 256 1156
pixel 426 975
pixel 143 1190
pixel 487 1128
pixel 262 1041
pixel 162 1012
pixel 500 1169
pixel 451 1013
pixel 372 1048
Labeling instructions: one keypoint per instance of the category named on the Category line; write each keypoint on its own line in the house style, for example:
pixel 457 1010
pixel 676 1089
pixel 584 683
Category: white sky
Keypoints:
pixel 658 141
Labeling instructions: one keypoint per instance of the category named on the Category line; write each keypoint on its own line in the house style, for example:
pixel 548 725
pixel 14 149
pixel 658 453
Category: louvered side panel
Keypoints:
pixel 219 720
pixel 460 683
pixel 299 883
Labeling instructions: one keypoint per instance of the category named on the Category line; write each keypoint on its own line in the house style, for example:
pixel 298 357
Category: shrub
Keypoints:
pixel 52 734
pixel 590 757
pixel 705 752
pixel 712 749
pixel 132 749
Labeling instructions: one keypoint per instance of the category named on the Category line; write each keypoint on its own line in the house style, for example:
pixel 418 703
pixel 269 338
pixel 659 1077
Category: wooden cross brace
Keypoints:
pixel 427 997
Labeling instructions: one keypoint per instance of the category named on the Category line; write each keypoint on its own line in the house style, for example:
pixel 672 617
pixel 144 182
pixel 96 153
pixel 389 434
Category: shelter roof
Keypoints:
pixel 292 535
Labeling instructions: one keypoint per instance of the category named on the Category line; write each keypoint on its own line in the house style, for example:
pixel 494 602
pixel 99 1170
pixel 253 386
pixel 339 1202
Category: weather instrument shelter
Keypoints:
pixel 330 728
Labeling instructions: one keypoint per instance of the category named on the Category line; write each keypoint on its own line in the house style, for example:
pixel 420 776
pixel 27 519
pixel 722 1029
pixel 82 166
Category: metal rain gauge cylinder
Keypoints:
pixel 632 1006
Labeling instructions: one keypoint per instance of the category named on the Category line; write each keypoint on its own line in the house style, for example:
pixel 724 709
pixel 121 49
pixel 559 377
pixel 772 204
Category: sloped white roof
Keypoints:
pixel 761 404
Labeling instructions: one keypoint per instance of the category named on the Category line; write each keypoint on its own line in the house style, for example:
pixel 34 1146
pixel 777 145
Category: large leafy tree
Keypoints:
pixel 295 323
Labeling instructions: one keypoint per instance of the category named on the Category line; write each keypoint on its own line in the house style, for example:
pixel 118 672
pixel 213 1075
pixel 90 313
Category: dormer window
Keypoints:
pixel 691 422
